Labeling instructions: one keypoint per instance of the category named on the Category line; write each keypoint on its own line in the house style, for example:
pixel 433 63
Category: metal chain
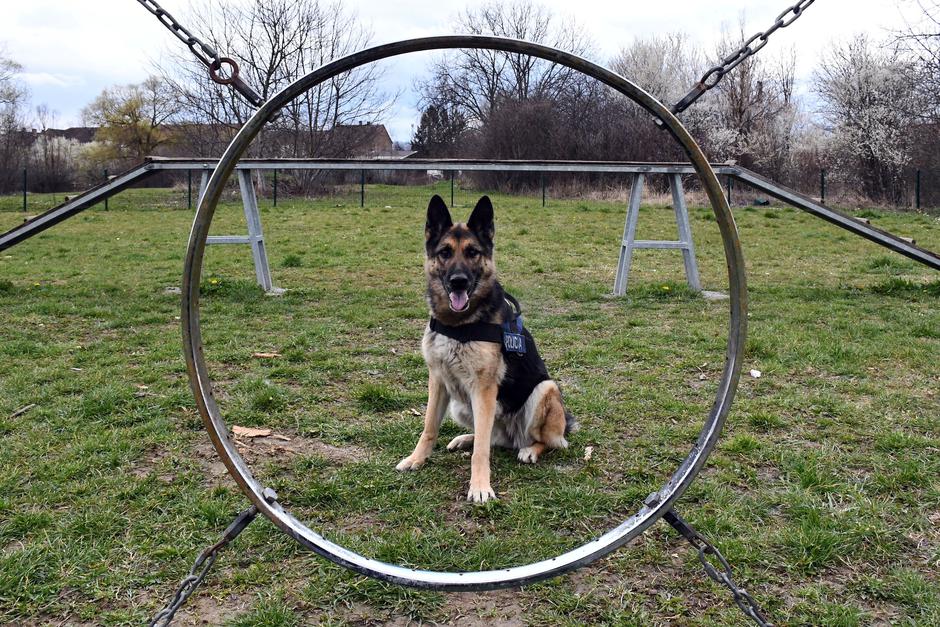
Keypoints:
pixel 713 76
pixel 206 54
pixel 201 568
pixel 721 575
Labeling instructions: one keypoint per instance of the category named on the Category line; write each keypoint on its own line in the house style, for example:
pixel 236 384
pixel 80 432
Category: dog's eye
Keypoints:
pixel 445 253
pixel 471 253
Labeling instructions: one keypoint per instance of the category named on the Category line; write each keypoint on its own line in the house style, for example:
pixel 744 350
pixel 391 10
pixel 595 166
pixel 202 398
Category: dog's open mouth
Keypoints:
pixel 459 300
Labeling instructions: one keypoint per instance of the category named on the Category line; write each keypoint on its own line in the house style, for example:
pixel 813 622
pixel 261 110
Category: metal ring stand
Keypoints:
pixel 658 503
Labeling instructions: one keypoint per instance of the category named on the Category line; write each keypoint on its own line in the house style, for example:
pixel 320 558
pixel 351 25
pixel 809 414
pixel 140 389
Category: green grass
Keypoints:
pixel 823 492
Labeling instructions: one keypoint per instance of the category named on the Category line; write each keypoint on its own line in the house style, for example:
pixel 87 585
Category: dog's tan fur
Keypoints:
pixel 464 378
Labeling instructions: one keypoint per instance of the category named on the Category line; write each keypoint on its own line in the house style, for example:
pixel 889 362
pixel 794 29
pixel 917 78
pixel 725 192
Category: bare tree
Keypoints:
pixel 867 95
pixel 769 145
pixel 476 82
pixel 51 157
pixel 920 41
pixel 752 107
pixel 275 42
pixel 666 65
pixel 14 136
pixel 11 90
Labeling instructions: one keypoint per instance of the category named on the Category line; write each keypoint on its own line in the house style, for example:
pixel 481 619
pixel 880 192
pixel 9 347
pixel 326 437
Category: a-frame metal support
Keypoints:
pixel 203 184
pixel 629 243
pixel 255 235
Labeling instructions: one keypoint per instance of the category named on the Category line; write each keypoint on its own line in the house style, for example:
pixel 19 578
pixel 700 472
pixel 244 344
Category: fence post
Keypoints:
pixel 542 181
pixel 729 184
pixel 362 188
pixel 189 189
pixel 822 185
pixel 24 190
pixel 917 190
pixel 451 188
pixel 105 180
pixel 274 192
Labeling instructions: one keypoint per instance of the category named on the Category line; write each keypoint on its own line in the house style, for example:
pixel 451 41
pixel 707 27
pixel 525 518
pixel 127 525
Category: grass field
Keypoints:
pixel 823 493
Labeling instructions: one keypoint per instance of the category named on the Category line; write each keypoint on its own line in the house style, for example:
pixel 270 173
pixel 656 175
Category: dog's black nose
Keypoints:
pixel 459 282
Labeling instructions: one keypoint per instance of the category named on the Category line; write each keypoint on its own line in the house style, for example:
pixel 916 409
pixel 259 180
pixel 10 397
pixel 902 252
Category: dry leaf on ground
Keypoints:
pixel 250 432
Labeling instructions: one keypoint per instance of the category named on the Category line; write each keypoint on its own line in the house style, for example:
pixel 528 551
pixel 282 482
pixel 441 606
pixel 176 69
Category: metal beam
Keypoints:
pixel 629 235
pixel 685 233
pixel 652 243
pixel 847 222
pixel 449 165
pixel 228 239
pixel 255 234
pixel 154 164
pixel 75 205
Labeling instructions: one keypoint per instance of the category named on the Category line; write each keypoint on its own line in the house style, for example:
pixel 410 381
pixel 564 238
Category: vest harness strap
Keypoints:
pixel 509 334
pixel 473 332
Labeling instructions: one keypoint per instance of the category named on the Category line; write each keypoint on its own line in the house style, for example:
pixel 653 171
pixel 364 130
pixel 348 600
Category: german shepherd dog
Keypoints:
pixel 483 364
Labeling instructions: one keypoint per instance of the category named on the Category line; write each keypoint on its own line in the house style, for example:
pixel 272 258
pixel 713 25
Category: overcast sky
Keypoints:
pixel 71 50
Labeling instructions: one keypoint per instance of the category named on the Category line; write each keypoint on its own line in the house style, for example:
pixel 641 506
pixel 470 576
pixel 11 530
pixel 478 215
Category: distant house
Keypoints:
pixel 81 134
pixel 363 141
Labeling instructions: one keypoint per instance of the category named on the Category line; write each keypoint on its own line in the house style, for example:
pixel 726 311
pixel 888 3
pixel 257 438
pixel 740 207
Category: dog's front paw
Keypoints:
pixel 528 455
pixel 412 462
pixel 480 493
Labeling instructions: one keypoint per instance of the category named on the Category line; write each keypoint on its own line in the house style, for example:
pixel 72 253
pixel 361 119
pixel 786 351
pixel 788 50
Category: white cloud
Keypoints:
pixel 45 79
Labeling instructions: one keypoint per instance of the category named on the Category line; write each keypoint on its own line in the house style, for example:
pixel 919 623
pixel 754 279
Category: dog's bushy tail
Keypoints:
pixel 571 423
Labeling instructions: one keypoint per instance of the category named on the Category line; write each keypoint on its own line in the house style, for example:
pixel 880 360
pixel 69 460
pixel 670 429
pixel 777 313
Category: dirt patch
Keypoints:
pixel 456 515
pixel 150 463
pixel 289 445
pixel 203 609
pixel 220 390
pixel 927 545
pixel 48 621
pixel 768 475
pixel 501 607
pixel 277 447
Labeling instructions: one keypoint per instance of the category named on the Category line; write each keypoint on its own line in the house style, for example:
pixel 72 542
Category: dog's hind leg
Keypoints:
pixel 547 423
pixel 437 405
pixel 461 443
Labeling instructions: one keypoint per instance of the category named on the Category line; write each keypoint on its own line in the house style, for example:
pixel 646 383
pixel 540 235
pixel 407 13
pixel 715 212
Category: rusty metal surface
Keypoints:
pixel 201 381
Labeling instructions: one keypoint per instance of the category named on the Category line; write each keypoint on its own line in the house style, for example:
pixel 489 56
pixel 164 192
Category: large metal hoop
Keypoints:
pixel 655 506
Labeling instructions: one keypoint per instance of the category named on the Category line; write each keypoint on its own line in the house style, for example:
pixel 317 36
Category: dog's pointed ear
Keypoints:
pixel 438 222
pixel 481 221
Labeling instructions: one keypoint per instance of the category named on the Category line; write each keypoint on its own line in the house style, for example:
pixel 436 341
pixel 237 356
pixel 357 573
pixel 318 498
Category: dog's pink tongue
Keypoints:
pixel 458 300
